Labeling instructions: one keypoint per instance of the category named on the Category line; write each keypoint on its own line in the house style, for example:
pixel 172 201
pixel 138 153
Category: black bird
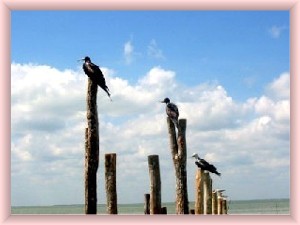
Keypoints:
pixel 202 164
pixel 172 111
pixel 93 71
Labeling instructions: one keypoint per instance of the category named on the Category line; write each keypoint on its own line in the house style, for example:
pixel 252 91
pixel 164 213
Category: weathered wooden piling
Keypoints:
pixel 178 150
pixel 220 205
pixel 155 184
pixel 214 203
pixel 147 204
pixel 199 192
pixel 224 206
pixel 91 149
pixel 207 186
pixel 221 202
pixel 110 183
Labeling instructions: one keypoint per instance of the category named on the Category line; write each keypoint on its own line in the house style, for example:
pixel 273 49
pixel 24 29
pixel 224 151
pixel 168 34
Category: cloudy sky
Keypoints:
pixel 228 72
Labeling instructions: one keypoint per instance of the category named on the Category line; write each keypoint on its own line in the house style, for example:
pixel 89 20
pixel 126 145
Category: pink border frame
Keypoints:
pixel 7 5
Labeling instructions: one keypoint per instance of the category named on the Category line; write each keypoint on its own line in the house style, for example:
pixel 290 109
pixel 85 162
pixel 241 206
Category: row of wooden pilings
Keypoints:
pixel 207 201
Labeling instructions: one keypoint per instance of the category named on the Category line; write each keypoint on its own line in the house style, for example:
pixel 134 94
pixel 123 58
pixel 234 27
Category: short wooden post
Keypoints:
pixel 220 205
pixel 110 183
pixel 91 149
pixel 164 210
pixel 155 184
pixel 207 186
pixel 199 192
pixel 178 150
pixel 224 205
pixel 214 203
pixel 192 211
pixel 147 204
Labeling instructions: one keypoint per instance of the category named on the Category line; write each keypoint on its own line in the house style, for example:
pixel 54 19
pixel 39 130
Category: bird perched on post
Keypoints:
pixel 93 71
pixel 219 190
pixel 172 111
pixel 202 164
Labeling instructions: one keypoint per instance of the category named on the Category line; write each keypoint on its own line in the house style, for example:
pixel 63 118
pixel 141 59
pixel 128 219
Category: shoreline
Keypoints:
pixel 235 207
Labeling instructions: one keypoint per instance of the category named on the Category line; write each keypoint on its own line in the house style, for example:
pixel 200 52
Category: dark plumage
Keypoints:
pixel 204 165
pixel 172 111
pixel 93 71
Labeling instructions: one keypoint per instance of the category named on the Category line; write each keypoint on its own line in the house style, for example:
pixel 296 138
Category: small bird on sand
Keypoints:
pixel 93 71
pixel 204 165
pixel 172 111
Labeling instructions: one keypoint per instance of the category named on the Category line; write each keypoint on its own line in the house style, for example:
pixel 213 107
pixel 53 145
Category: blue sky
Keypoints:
pixel 228 71
pixel 200 46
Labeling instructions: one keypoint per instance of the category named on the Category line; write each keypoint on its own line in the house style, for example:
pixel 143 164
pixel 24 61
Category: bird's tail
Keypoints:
pixel 107 91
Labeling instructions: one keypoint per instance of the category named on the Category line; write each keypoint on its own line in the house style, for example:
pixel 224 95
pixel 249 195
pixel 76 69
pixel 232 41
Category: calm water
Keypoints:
pixel 271 206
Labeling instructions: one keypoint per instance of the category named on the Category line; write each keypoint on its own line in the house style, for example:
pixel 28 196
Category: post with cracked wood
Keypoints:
pixel 91 149
pixel 178 151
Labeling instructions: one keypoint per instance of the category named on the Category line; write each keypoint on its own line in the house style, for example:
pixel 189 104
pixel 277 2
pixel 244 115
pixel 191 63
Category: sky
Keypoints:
pixel 227 71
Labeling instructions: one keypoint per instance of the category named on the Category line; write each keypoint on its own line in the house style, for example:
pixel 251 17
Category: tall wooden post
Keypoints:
pixel 178 150
pixel 91 149
pixel 207 186
pixel 110 183
pixel 155 184
pixel 199 192
pixel 147 204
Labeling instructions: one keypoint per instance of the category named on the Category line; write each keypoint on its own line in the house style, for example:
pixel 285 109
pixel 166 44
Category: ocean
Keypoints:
pixel 245 207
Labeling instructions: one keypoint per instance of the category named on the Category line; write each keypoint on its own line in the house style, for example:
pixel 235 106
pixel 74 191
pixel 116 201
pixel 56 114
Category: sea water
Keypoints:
pixel 246 207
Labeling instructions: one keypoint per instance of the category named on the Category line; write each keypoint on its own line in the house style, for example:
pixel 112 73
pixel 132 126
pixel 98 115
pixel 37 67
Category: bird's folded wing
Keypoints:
pixel 89 68
pixel 173 108
pixel 202 161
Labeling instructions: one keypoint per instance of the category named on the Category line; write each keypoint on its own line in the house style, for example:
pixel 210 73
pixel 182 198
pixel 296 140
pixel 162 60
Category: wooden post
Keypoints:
pixel 207 186
pixel 192 211
pixel 224 205
pixel 164 210
pixel 178 150
pixel 199 192
pixel 155 185
pixel 147 204
pixel 214 203
pixel 110 183
pixel 220 205
pixel 92 150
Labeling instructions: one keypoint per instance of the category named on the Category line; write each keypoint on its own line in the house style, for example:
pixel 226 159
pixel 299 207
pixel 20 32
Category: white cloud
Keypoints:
pixel 280 87
pixel 128 52
pixel 130 55
pixel 48 122
pixel 154 51
pixel 276 31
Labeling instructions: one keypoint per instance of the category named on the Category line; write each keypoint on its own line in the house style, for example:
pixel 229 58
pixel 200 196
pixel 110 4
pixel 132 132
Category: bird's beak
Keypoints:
pixel 78 60
pixel 161 101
